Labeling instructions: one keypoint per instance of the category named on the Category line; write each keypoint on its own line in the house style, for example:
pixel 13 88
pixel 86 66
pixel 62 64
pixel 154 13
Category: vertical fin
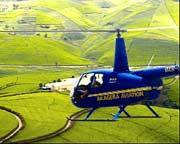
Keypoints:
pixel 120 59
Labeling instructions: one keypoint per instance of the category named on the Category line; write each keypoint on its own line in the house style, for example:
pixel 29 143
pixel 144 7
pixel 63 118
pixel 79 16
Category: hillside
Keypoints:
pixel 73 48
pixel 163 130
pixel 45 113
pixel 28 61
pixel 4 118
pixel 38 50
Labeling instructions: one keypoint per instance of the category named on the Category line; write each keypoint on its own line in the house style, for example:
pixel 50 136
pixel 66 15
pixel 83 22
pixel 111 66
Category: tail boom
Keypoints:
pixel 159 72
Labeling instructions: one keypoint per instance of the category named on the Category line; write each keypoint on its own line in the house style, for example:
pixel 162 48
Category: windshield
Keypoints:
pixel 86 79
pixel 87 82
pixel 91 80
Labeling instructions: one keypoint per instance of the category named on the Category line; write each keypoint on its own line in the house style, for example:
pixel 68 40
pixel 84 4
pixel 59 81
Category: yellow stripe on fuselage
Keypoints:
pixel 122 91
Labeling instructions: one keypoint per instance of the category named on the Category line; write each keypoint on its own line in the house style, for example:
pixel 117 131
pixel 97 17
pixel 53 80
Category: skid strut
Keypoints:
pixel 122 109
pixel 150 108
pixel 90 112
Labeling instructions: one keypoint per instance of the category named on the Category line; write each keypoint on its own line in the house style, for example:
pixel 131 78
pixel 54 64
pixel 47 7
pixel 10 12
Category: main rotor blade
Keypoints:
pixel 152 28
pixel 73 31
pixel 99 31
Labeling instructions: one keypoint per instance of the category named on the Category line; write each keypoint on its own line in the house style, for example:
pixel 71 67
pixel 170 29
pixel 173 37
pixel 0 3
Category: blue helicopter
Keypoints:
pixel 119 86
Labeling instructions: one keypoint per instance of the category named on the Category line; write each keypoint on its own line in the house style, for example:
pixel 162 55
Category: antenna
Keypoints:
pixel 150 60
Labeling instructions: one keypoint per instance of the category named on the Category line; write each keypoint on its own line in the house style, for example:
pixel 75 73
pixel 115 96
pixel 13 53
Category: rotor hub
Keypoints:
pixel 118 33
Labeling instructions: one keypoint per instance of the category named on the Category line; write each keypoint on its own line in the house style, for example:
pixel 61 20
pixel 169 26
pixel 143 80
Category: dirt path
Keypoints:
pixel 13 132
pixel 69 124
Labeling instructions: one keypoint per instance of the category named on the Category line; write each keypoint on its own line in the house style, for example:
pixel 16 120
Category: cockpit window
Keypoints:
pixel 86 79
pixel 91 80
pixel 87 82
pixel 97 80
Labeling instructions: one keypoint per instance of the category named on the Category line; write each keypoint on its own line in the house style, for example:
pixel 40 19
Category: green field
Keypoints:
pixel 38 50
pixel 43 112
pixel 8 122
pixel 29 60
pixel 46 112
pixel 162 130
pixel 15 80
pixel 87 47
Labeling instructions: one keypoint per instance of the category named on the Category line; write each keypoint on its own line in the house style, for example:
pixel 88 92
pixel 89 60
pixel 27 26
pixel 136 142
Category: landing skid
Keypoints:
pixel 93 120
pixel 117 115
pixel 137 116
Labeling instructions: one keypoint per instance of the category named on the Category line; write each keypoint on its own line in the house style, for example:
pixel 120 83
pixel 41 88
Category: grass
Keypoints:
pixel 38 50
pixel 139 51
pixel 141 54
pixel 46 112
pixel 43 112
pixel 173 9
pixel 25 80
pixel 160 130
pixel 173 92
pixel 150 15
pixel 8 122
pixel 91 15
pixel 13 15
pixel 43 18
pixel 77 17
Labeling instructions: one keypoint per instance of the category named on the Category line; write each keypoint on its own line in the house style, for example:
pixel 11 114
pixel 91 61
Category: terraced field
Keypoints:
pixel 83 48
pixel 45 112
pixel 8 121
pixel 159 130
pixel 39 109
pixel 18 80
pixel 37 50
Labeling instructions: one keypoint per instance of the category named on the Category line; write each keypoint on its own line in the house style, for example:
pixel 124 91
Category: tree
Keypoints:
pixel 46 35
pixel 40 85
pixel 58 80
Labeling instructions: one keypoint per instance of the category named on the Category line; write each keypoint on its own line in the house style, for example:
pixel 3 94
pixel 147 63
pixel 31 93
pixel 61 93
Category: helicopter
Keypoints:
pixel 120 86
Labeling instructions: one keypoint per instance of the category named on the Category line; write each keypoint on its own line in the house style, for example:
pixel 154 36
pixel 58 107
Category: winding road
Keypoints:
pixel 13 132
pixel 69 124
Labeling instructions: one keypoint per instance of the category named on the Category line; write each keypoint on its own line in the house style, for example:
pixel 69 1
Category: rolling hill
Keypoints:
pixel 5 118
pixel 38 50
pixel 86 47
pixel 163 130
pixel 46 112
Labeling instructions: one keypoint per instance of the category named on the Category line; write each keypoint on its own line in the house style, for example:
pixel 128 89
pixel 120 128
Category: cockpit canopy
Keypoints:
pixel 91 80
pixel 86 82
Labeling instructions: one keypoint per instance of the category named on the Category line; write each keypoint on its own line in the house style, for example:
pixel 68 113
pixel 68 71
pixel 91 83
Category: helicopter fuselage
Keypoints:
pixel 114 89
